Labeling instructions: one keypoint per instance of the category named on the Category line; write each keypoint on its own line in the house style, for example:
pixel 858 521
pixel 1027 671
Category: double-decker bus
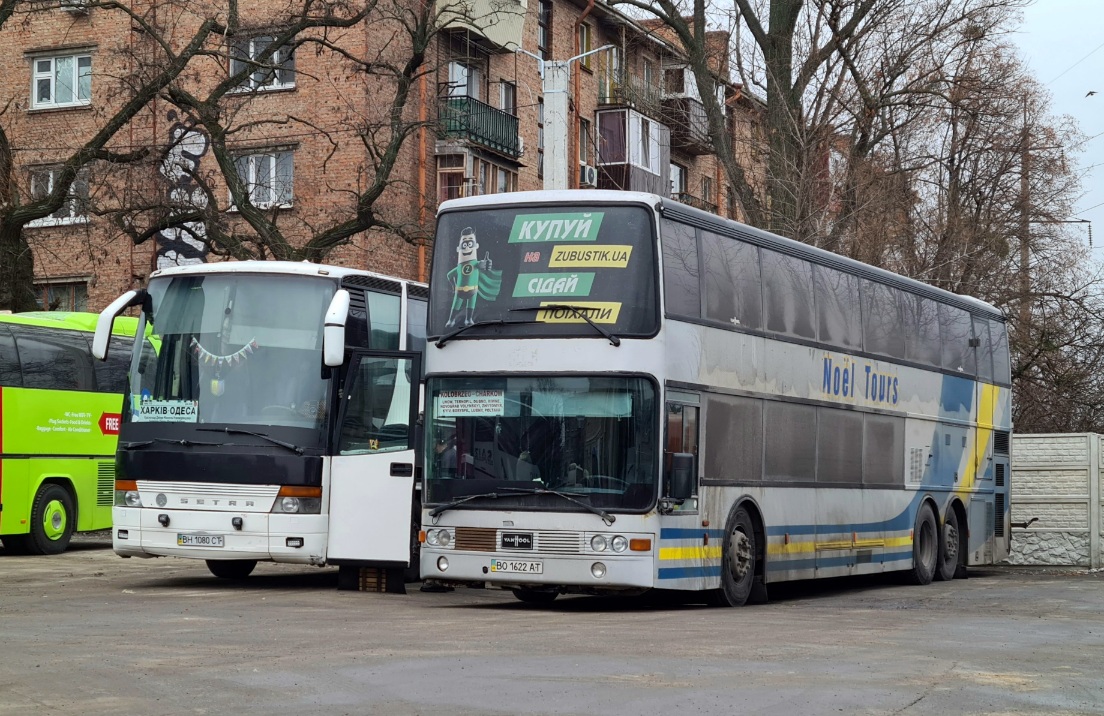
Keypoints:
pixel 625 393
pixel 278 420
pixel 59 422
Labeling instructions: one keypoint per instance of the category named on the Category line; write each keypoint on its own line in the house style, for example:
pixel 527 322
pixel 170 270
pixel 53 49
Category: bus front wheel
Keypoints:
pixel 925 547
pixel 52 520
pixel 737 560
pixel 231 568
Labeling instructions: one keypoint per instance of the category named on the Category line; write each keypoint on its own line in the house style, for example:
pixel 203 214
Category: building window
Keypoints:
pixel 584 141
pixel 73 210
pixel 507 97
pixel 644 142
pixel 465 80
pixel 275 72
pixel 609 77
pixel 63 81
pixel 674 81
pixel 71 296
pixel 678 180
pixel 450 176
pixel 540 138
pixel 649 76
pixel 268 178
pixel 585 44
pixel 544 30
pixel 707 190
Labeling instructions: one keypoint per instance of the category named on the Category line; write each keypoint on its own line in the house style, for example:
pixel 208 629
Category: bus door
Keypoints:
pixel 372 470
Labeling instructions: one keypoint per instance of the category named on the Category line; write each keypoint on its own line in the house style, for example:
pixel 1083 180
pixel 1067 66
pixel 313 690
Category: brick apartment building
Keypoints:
pixel 297 130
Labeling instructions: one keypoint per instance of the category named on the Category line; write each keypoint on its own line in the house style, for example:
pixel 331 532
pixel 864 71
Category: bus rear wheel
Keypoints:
pixel 231 568
pixel 737 561
pixel 925 547
pixel 52 519
pixel 951 547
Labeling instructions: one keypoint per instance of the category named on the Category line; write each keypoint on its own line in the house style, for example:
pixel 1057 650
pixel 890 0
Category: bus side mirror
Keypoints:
pixel 682 476
pixel 102 338
pixel 333 332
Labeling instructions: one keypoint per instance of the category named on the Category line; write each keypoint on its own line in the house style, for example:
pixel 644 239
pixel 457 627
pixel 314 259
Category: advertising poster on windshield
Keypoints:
pixel 554 271
pixel 470 403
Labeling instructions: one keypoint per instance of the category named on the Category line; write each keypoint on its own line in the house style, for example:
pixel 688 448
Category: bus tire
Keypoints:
pixel 951 547
pixel 535 596
pixel 52 520
pixel 738 556
pixel 413 571
pixel 925 547
pixel 231 568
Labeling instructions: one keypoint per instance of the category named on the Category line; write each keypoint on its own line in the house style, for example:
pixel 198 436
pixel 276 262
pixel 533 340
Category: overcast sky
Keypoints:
pixel 1062 41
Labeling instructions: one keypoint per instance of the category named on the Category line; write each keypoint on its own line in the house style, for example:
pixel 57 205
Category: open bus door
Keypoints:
pixel 372 474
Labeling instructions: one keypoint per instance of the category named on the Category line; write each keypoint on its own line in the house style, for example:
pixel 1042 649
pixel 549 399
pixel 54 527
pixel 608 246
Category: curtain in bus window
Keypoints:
pixel 10 376
pixel 883 329
pixel 1002 370
pixel 984 350
pixel 54 360
pixel 837 306
pixel 788 295
pixel 839 445
pixel 790 442
pixel 921 329
pixel 883 450
pixel 733 438
pixel 681 289
pixel 733 292
pixel 955 332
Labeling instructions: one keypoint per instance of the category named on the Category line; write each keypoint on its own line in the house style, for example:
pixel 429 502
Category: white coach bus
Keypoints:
pixel 625 393
pixel 276 421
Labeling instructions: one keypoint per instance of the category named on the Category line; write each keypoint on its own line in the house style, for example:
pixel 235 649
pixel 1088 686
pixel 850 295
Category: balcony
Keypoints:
pixel 469 119
pixel 691 200
pixel 689 125
pixel 630 92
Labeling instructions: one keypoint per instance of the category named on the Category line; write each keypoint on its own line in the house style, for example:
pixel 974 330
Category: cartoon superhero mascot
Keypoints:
pixel 472 279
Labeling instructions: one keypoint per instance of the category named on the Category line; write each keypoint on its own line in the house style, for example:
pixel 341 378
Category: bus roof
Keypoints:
pixel 298 268
pixel 729 227
pixel 70 320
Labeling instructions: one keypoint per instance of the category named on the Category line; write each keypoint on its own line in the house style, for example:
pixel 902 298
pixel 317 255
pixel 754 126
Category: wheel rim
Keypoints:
pixel 54 520
pixel 740 555
pixel 950 541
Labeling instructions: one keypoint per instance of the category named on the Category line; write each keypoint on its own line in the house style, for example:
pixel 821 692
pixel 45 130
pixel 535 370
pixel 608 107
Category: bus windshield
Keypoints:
pixel 236 349
pixel 503 264
pixel 593 438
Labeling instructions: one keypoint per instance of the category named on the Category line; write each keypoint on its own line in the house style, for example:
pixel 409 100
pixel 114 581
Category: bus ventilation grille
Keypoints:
pixel 105 484
pixel 1000 474
pixel 477 539
pixel 998 519
pixel 1000 442
pixel 373 283
pixel 417 291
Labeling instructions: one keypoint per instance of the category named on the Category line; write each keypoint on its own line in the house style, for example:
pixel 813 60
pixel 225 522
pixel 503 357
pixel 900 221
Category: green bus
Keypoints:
pixel 59 424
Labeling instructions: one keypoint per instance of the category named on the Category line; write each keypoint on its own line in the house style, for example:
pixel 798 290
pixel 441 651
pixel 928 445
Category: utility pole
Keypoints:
pixel 555 83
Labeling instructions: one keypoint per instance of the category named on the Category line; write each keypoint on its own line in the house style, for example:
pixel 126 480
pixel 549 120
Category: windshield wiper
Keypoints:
pixel 168 441
pixel 238 431
pixel 606 517
pixel 449 505
pixel 579 311
pixel 457 331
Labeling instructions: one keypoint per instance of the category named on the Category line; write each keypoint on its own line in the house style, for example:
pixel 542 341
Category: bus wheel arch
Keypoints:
pixel 53 517
pixel 925 544
pixel 743 557
pixel 953 543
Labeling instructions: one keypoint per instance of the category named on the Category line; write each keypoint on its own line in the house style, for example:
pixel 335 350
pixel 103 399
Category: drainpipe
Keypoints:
pixel 423 201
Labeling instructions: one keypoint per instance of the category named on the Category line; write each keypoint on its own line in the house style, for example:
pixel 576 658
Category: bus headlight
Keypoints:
pixel 598 570
pixel 619 543
pixel 297 506
pixel 598 543
pixel 128 498
pixel 438 538
pixel 289 504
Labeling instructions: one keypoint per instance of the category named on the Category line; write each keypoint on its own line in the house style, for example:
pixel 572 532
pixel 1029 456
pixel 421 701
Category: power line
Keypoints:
pixel 1075 64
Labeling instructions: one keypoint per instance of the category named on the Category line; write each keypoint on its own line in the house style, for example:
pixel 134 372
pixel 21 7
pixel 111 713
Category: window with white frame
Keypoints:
pixel 268 177
pixel 465 80
pixel 73 210
pixel 275 71
pixel 61 81
pixel 507 97
pixel 585 41
pixel 678 180
pixel 644 141
pixel 584 141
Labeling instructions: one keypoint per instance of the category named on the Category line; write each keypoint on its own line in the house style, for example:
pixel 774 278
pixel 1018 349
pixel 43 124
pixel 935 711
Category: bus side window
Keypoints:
pixel 682 436
pixel 10 375
pixel 111 373
pixel 55 360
